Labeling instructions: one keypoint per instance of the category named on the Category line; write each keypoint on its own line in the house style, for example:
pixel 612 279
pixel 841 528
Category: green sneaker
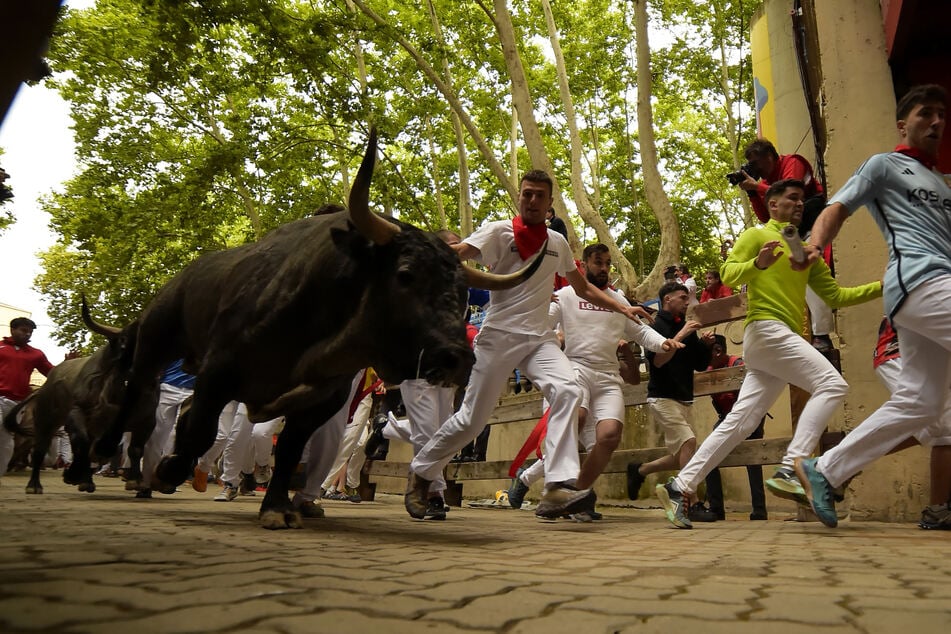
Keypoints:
pixel 785 484
pixel 674 505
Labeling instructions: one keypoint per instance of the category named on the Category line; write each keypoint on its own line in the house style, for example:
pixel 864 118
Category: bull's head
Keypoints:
pixel 421 288
pixel 114 360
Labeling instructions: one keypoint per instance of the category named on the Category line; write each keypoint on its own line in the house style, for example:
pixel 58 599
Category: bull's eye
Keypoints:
pixel 405 276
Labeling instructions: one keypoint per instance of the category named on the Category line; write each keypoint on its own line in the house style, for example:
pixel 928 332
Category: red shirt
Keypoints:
pixel 724 401
pixel 16 366
pixel 886 348
pixel 788 166
pixel 721 291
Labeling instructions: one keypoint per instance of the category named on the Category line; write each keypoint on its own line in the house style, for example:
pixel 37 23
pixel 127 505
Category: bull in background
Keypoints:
pixel 283 324
pixel 81 394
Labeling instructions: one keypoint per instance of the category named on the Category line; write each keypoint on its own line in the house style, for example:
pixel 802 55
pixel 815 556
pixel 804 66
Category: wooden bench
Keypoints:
pixel 528 407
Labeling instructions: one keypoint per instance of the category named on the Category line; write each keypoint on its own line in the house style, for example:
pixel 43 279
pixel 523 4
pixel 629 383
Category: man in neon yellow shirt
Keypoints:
pixel 774 351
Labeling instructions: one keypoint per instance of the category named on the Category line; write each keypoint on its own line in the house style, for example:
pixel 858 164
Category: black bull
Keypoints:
pixel 283 325
pixel 81 394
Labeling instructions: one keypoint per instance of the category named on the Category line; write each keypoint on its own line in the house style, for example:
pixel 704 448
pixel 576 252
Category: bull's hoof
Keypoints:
pixel 163 487
pixel 277 520
pixel 87 487
pixel 73 474
pixel 173 470
pixel 34 489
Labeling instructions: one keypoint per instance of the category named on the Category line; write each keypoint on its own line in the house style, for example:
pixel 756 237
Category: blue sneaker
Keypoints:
pixel 674 505
pixel 518 490
pixel 818 491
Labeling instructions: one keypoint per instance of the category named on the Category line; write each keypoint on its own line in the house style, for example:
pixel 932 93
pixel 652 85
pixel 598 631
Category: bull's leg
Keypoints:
pixel 141 429
pixel 277 511
pixel 194 435
pixel 39 453
pixel 80 471
pixel 135 410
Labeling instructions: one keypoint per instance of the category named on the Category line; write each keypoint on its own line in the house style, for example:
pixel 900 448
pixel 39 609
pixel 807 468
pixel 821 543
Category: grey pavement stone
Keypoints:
pixel 105 562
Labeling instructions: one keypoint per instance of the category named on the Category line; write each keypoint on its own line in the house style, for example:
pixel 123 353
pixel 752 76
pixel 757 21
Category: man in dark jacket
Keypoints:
pixel 670 390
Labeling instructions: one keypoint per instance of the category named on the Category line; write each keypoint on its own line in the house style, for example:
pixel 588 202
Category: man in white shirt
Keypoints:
pixel 516 333
pixel 591 340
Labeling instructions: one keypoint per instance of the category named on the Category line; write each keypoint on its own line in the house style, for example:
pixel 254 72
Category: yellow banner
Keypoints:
pixel 763 89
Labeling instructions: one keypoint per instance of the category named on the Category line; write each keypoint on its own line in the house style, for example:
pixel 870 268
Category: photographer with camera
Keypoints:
pixel 764 166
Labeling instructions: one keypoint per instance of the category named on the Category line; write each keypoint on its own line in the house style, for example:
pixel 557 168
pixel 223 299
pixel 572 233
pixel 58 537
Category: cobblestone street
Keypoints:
pixel 106 562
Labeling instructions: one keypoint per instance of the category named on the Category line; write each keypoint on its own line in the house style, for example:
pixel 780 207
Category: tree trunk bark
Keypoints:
pixel 653 183
pixel 465 198
pixel 586 210
pixel 522 98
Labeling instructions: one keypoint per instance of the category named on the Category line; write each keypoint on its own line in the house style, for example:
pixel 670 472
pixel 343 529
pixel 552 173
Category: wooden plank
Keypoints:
pixel 704 384
pixel 765 451
pixel 717 381
pixel 387 469
pixel 718 311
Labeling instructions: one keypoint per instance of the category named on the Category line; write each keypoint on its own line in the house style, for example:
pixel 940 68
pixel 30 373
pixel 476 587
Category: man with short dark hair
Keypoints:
pixel 910 202
pixel 516 334
pixel 18 359
pixel 776 355
pixel 714 288
pixel 670 390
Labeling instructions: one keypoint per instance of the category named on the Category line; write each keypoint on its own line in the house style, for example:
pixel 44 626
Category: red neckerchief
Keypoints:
pixel 918 155
pixel 528 238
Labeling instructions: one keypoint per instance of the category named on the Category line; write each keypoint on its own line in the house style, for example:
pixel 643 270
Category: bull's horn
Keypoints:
pixel 495 282
pixel 105 331
pixel 371 226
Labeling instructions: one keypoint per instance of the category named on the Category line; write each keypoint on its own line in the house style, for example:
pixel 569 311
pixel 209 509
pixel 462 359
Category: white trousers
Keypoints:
pixel 321 448
pixel 935 434
pixel 166 415
pixel 923 324
pixel 428 406
pixel 601 397
pixel 820 314
pixel 7 440
pixel 262 442
pixel 232 443
pixel 543 362
pixel 354 437
pixel 775 356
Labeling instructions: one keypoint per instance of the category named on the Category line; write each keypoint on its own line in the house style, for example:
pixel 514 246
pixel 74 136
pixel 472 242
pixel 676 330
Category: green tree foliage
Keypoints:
pixel 201 125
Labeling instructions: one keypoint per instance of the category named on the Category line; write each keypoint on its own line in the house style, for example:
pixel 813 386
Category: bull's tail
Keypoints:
pixel 10 422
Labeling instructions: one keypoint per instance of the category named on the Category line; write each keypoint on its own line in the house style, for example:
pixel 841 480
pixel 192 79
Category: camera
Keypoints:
pixel 737 177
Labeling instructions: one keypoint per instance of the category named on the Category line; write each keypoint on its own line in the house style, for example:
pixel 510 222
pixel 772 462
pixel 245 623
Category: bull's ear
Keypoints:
pixel 351 243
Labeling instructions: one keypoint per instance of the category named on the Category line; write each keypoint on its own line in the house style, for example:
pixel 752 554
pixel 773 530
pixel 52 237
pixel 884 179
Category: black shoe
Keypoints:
pixel 247 485
pixel 376 440
pixel 700 513
pixel 758 516
pixel 634 480
pixel 822 343
pixel 144 494
pixel 416 499
pixel 436 510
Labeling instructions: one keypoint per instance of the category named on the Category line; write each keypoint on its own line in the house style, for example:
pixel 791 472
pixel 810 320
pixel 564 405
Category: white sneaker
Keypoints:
pixel 262 473
pixel 227 494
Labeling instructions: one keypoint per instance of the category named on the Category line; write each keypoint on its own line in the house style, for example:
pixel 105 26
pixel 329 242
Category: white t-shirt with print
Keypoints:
pixel 592 333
